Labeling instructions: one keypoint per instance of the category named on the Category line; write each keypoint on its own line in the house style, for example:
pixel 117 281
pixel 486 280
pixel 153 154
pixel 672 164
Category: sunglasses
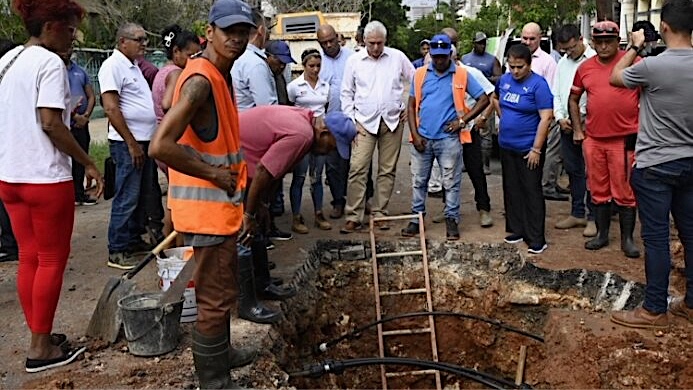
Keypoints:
pixel 610 30
pixel 141 40
pixel 439 45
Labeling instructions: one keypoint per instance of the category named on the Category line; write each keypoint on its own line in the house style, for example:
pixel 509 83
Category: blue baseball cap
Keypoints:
pixel 225 13
pixel 441 45
pixel 280 50
pixel 343 130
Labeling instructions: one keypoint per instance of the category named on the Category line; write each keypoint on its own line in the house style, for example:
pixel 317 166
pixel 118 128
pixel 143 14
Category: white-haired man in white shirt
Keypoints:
pixel 372 90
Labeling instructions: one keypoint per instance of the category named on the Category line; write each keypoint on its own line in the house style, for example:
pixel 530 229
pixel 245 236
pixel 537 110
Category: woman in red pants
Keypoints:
pixel 35 172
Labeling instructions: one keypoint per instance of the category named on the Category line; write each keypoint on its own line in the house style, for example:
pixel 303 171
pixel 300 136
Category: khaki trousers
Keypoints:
pixel 389 144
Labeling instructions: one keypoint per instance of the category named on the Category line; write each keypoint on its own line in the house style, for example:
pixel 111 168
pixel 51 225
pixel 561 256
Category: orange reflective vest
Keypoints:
pixel 197 205
pixel 459 95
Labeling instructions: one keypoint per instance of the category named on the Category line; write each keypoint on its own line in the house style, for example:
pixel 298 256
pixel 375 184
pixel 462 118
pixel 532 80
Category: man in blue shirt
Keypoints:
pixel 435 124
pixel 333 60
pixel 424 47
pixel 82 100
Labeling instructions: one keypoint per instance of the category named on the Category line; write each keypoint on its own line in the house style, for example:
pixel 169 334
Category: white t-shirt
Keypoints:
pixel 303 95
pixel 37 79
pixel 119 75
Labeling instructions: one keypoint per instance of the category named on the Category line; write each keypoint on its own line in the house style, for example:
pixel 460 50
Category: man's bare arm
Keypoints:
pixel 111 106
pixel 194 95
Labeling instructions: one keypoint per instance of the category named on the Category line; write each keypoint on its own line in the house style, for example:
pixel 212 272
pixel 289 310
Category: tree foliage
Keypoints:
pixel 393 15
pixel 492 20
pixel 550 14
pixel 153 15
pixel 283 6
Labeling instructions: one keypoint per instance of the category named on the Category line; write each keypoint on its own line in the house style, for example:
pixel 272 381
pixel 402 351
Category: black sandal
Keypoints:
pixel 38 365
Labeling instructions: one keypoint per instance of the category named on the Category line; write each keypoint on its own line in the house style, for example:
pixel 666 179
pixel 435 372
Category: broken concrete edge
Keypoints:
pixel 604 291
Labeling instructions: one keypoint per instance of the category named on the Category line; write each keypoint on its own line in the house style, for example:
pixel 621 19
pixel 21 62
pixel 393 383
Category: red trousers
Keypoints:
pixel 608 170
pixel 42 217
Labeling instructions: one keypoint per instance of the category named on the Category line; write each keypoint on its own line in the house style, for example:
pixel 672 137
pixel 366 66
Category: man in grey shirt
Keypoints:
pixel 663 174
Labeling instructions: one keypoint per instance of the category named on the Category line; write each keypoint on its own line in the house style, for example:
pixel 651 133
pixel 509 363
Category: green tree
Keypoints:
pixel 427 27
pixel 492 20
pixel 548 13
pixel 393 15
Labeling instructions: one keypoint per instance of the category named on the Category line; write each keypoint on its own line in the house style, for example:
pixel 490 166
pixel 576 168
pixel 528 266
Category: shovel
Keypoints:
pixel 106 320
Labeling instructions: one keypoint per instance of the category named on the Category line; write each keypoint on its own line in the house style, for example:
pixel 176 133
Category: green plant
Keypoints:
pixel 99 152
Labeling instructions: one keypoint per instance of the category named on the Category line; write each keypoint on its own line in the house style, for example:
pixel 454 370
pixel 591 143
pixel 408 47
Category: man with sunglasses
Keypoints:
pixel 127 102
pixel 663 174
pixel 569 40
pixel 607 138
pixel 437 114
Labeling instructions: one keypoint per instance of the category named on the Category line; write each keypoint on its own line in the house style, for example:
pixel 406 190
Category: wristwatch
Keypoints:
pixel 636 48
pixel 463 124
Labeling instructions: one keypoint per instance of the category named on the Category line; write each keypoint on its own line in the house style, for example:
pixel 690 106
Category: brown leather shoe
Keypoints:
pixel 678 307
pixel 351 227
pixel 640 318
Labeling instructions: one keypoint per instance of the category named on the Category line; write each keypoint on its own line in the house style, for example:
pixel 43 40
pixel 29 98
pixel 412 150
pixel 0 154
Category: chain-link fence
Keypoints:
pixel 91 60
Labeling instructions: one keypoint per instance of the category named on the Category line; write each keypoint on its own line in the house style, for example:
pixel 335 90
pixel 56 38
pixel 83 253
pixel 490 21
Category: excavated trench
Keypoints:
pixel 491 303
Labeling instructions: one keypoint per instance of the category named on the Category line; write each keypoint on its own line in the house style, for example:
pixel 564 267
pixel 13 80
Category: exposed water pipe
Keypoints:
pixel 325 346
pixel 338 366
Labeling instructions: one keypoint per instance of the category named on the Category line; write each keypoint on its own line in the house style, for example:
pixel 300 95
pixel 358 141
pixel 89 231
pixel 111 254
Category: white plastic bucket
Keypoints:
pixel 170 265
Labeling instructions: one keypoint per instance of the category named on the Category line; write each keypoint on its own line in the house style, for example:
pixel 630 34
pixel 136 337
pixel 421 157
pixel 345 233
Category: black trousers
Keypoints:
pixel 83 139
pixel 523 197
pixel 473 163
pixel 7 242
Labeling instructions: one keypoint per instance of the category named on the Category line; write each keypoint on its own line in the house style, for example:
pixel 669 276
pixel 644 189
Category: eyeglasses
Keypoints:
pixel 140 40
pixel 439 45
pixel 610 30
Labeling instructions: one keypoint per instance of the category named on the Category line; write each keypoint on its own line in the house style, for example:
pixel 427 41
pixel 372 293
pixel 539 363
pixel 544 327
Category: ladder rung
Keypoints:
pixel 400 332
pixel 408 373
pixel 403 292
pixel 399 254
pixel 396 218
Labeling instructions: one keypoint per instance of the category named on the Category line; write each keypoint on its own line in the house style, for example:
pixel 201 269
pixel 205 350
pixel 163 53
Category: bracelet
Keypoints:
pixel 482 117
pixel 535 150
pixel 249 216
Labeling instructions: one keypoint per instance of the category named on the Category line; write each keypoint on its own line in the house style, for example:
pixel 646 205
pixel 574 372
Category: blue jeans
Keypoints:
pixel 316 165
pixel 574 164
pixel 659 190
pixel 133 187
pixel 448 152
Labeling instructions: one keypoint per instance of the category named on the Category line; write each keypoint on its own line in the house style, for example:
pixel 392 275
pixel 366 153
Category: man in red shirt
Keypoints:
pixel 609 137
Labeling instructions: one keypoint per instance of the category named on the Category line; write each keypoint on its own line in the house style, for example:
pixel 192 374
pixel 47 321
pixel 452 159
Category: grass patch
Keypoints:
pixel 99 151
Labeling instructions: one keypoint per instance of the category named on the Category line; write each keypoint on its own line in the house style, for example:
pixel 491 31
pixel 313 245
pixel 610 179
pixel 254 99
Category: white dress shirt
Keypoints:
pixel 372 89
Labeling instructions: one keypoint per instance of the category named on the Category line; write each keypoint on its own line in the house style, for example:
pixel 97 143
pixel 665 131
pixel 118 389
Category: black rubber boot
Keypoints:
pixel 239 357
pixel 602 218
pixel 249 308
pixel 627 223
pixel 212 361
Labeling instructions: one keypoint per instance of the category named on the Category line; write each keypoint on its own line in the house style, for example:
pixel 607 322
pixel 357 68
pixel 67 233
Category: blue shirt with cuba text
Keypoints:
pixel 520 102
pixel 437 107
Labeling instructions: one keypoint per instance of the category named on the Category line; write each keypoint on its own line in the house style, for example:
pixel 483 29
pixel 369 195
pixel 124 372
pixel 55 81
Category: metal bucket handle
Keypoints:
pixel 163 311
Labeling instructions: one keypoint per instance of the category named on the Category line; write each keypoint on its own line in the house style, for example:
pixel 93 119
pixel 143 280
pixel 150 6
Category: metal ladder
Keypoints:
pixel 427 290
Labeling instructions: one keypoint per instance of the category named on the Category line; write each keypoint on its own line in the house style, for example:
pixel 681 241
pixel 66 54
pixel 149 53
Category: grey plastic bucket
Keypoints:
pixel 150 328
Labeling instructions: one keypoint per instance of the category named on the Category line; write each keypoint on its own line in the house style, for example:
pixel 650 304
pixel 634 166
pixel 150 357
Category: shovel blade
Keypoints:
pixel 106 320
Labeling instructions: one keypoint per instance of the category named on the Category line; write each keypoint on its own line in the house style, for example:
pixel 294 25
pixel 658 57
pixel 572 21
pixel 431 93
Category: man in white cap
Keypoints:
pixel 199 140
